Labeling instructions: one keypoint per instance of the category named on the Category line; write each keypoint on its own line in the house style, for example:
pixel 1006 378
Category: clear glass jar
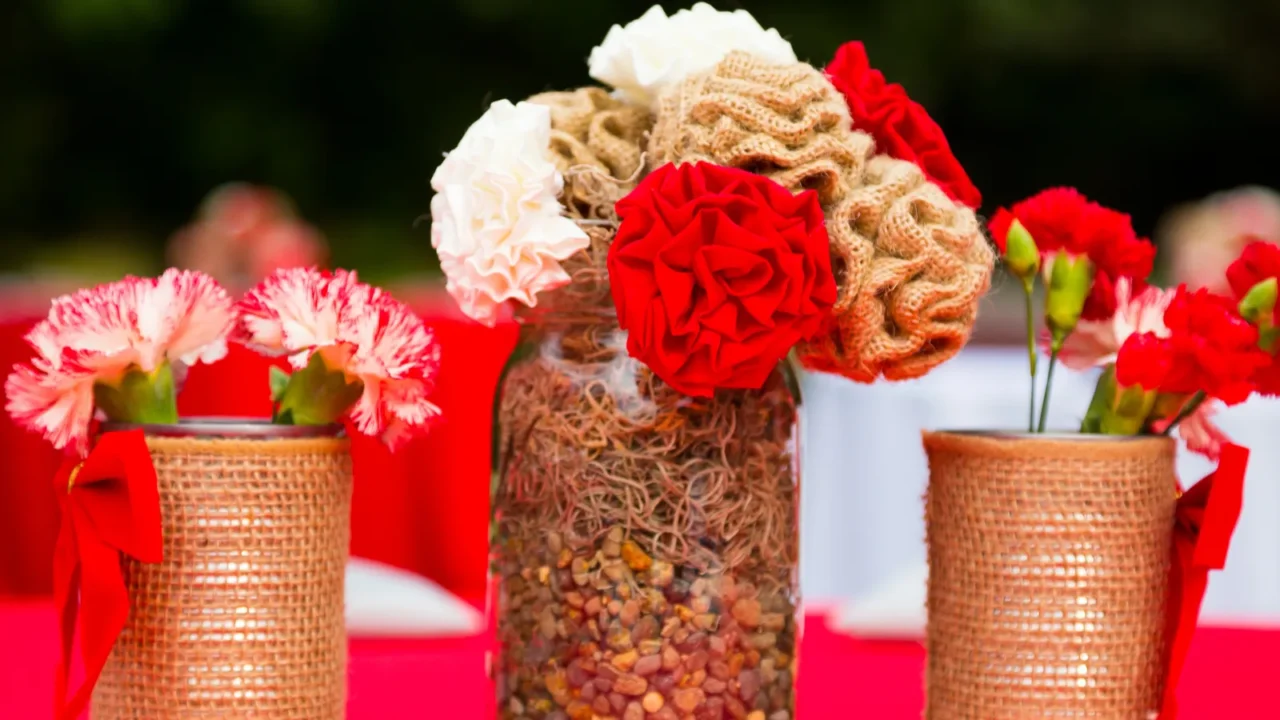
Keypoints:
pixel 645 542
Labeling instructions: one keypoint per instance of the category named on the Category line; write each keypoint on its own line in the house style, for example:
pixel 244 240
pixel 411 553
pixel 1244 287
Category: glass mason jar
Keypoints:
pixel 645 543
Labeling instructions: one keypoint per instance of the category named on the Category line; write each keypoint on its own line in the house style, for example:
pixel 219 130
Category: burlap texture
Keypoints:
pixel 595 138
pixel 244 618
pixel 928 265
pixel 910 263
pixel 786 122
pixel 1048 569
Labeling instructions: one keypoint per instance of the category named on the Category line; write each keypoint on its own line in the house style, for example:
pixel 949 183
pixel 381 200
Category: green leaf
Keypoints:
pixel 279 379
pixel 1103 395
pixel 139 397
pixel 316 395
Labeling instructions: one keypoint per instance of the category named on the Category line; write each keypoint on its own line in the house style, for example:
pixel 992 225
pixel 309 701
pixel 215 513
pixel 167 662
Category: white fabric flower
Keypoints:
pixel 496 220
pixel 654 52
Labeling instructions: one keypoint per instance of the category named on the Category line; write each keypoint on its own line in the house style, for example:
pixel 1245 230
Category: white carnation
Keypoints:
pixel 655 51
pixel 496 220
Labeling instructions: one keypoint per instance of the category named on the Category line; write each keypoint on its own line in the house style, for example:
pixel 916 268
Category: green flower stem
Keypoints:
pixel 1028 290
pixel 1048 386
pixel 1191 405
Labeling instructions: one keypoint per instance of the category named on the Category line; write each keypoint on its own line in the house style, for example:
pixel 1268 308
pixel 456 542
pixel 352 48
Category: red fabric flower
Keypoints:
pixel 1144 360
pixel 1063 219
pixel 716 273
pixel 1260 261
pixel 1213 349
pixel 901 127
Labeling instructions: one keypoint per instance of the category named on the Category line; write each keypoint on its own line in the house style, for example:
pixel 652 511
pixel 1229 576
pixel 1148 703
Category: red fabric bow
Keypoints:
pixel 1206 519
pixel 110 505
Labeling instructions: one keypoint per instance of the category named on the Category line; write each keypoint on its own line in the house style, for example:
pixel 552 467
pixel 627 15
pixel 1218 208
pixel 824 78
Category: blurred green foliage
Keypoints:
pixel 117 116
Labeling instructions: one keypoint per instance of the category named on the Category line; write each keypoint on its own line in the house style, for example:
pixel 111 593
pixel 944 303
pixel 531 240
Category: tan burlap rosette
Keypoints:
pixel 244 617
pixel 910 263
pixel 596 144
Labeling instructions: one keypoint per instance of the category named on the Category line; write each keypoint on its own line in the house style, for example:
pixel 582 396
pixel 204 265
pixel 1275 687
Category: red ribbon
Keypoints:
pixel 1206 519
pixel 110 505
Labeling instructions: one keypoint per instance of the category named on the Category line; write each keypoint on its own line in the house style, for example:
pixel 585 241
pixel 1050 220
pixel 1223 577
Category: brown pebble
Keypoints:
pixel 664 683
pixel 578 710
pixel 717 646
pixel 601 705
pixel 648 665
pixel 625 661
pixel 645 629
pixel 631 684
pixel 653 702
pixel 773 622
pixel 688 699
pixel 661 574
pixel 714 686
pixel 670 658
pixel 781 715
pixel 764 641
pixel 748 685
pixel 705 621
pixel 696 661
pixel 619 639
pixel 615 607
pixel 603 685
pixel 577 674
pixel 747 612
pixel 734 707
pixel 635 558
pixel 701 604
pixel 670 627
pixel 574 599
pixel 589 693
pixel 665 713
pixel 650 647
pixel 617 703
pixel 592 607
pixel 756 715
pixel 630 613
pixel 634 711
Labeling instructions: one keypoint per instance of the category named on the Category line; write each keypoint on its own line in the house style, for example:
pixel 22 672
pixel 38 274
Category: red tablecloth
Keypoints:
pixel 1229 674
pixel 425 509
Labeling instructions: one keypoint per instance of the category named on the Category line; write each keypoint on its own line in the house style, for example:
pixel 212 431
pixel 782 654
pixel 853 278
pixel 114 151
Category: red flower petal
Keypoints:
pixel 901 127
pixel 716 273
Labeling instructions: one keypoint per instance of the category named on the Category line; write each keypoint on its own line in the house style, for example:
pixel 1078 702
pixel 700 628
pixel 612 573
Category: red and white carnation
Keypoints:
pixel 358 330
pixel 96 336
pixel 1094 343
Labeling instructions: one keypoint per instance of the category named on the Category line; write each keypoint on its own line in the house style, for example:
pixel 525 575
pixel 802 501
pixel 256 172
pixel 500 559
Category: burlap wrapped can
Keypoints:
pixel 244 617
pixel 1048 569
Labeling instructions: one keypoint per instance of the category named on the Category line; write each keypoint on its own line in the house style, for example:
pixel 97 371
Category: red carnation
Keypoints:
pixel 1214 350
pixel 716 273
pixel 1260 261
pixel 1063 219
pixel 1144 360
pixel 901 127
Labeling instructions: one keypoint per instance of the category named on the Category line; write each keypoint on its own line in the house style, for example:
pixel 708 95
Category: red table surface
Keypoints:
pixel 1229 674
pixel 424 509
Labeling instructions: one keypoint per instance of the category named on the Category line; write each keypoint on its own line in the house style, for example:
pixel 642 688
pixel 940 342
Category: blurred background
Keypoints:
pixel 118 118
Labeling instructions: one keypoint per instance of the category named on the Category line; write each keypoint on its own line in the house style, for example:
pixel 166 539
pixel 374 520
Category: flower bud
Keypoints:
pixel 1070 279
pixel 1021 255
pixel 1259 304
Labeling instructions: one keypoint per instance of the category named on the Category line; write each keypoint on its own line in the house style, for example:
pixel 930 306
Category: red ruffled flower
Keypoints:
pixel 716 273
pixel 1260 261
pixel 901 127
pixel 1213 349
pixel 1145 361
pixel 1063 219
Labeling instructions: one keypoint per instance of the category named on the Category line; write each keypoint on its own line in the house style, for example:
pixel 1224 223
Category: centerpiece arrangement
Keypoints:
pixel 671 248
pixel 1067 569
pixel 201 562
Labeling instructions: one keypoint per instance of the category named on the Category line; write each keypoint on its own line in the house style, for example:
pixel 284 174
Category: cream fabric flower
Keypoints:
pixel 654 51
pixel 496 220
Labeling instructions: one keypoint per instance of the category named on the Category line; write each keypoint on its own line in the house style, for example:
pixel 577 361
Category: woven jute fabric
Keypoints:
pixel 244 617
pixel 928 266
pixel 1048 569
pixel 786 122
pixel 596 142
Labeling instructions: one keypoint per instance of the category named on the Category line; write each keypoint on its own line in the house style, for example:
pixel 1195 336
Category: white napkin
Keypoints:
pixel 383 601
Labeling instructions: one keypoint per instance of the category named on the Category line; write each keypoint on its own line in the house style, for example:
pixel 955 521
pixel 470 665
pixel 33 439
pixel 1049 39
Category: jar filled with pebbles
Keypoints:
pixel 645 542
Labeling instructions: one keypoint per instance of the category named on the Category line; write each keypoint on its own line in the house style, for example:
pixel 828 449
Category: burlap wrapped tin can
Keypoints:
pixel 1048 569
pixel 244 617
